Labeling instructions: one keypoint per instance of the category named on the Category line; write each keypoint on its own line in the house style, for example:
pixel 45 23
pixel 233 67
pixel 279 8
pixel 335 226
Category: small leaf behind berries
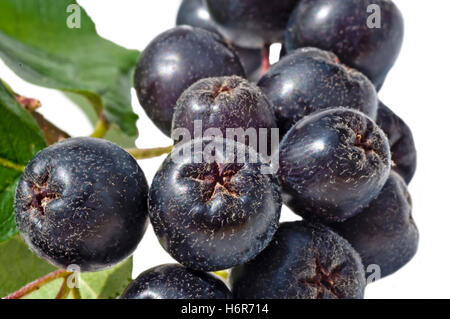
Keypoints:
pixel 19 266
pixel 114 134
pixel 20 140
pixel 39 46
pixel 107 284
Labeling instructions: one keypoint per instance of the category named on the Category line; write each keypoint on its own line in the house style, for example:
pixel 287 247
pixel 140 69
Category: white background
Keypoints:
pixel 417 89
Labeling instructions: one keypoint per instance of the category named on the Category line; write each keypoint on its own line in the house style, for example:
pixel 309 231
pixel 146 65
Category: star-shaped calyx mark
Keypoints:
pixel 41 195
pixel 324 280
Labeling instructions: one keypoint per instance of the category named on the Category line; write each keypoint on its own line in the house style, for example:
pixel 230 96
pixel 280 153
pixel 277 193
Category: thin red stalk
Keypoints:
pixel 265 58
pixel 64 290
pixel 38 283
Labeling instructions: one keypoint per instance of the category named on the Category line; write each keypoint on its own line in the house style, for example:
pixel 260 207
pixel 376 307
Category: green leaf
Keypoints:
pixel 114 134
pixel 19 266
pixel 37 44
pixel 107 284
pixel 20 140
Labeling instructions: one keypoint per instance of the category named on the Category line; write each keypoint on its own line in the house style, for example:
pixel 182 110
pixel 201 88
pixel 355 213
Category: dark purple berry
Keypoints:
pixel 352 30
pixel 332 164
pixel 82 202
pixel 303 261
pixel 225 103
pixel 310 79
pixel 195 14
pixel 251 23
pixel 384 234
pixel 173 281
pixel 175 60
pixel 213 208
pixel 403 149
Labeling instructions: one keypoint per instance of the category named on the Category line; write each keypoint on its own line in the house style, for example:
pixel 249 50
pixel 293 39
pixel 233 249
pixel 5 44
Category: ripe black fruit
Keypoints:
pixel 332 164
pixel 304 261
pixel 175 60
pixel 173 281
pixel 384 234
pixel 403 149
pixel 225 103
pixel 344 27
pixel 212 208
pixel 310 79
pixel 251 23
pixel 195 14
pixel 82 201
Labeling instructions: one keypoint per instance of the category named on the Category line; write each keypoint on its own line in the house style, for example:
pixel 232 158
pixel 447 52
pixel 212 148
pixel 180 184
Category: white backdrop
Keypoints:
pixel 417 89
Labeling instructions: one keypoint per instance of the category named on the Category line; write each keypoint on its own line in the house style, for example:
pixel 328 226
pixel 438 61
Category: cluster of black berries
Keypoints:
pixel 343 163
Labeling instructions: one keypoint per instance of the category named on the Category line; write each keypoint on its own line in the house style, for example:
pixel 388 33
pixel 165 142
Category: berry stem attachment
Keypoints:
pixel 265 58
pixel 38 283
pixel 101 128
pixel 146 153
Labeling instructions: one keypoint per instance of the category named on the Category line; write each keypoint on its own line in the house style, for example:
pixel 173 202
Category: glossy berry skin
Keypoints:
pixel 332 164
pixel 82 202
pixel 342 27
pixel 403 149
pixel 213 214
pixel 304 261
pixel 224 103
pixel 384 234
pixel 195 14
pixel 173 281
pixel 175 60
pixel 251 23
pixel 310 79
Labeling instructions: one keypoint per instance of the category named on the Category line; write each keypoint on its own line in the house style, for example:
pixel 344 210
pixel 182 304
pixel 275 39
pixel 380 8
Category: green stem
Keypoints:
pixel 76 293
pixel 38 283
pixel 101 128
pixel 139 154
pixel 9 164
pixel 222 273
